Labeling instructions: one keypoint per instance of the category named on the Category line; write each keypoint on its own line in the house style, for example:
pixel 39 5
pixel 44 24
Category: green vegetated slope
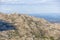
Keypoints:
pixel 24 27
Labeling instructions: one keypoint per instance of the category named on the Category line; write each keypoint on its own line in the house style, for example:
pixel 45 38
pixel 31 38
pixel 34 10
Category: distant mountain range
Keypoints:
pixel 51 18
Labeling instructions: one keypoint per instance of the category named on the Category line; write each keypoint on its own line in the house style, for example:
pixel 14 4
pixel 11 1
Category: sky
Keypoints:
pixel 30 6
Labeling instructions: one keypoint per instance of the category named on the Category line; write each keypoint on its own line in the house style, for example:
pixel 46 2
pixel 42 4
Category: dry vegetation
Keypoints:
pixel 24 27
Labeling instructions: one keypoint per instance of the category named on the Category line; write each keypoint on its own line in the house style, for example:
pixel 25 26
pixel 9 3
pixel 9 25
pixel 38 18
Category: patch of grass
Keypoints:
pixel 51 38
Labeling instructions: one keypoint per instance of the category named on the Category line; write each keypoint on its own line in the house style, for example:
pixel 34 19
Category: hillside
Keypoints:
pixel 24 27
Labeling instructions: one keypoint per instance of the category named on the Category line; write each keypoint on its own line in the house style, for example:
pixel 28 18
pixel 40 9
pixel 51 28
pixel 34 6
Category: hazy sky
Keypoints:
pixel 30 6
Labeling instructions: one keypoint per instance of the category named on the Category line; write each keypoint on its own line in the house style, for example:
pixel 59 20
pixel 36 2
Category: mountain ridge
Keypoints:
pixel 27 28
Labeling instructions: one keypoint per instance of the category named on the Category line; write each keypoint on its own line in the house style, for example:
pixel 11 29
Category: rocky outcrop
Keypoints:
pixel 24 27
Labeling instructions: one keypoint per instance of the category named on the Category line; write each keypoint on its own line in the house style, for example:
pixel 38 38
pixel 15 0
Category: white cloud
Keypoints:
pixel 8 0
pixel 23 1
pixel 42 1
pixel 42 6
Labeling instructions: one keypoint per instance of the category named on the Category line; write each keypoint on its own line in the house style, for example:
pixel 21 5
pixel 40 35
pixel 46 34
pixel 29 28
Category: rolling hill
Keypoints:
pixel 24 27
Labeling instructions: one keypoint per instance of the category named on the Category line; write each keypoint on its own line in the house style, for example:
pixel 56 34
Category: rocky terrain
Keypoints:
pixel 24 27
